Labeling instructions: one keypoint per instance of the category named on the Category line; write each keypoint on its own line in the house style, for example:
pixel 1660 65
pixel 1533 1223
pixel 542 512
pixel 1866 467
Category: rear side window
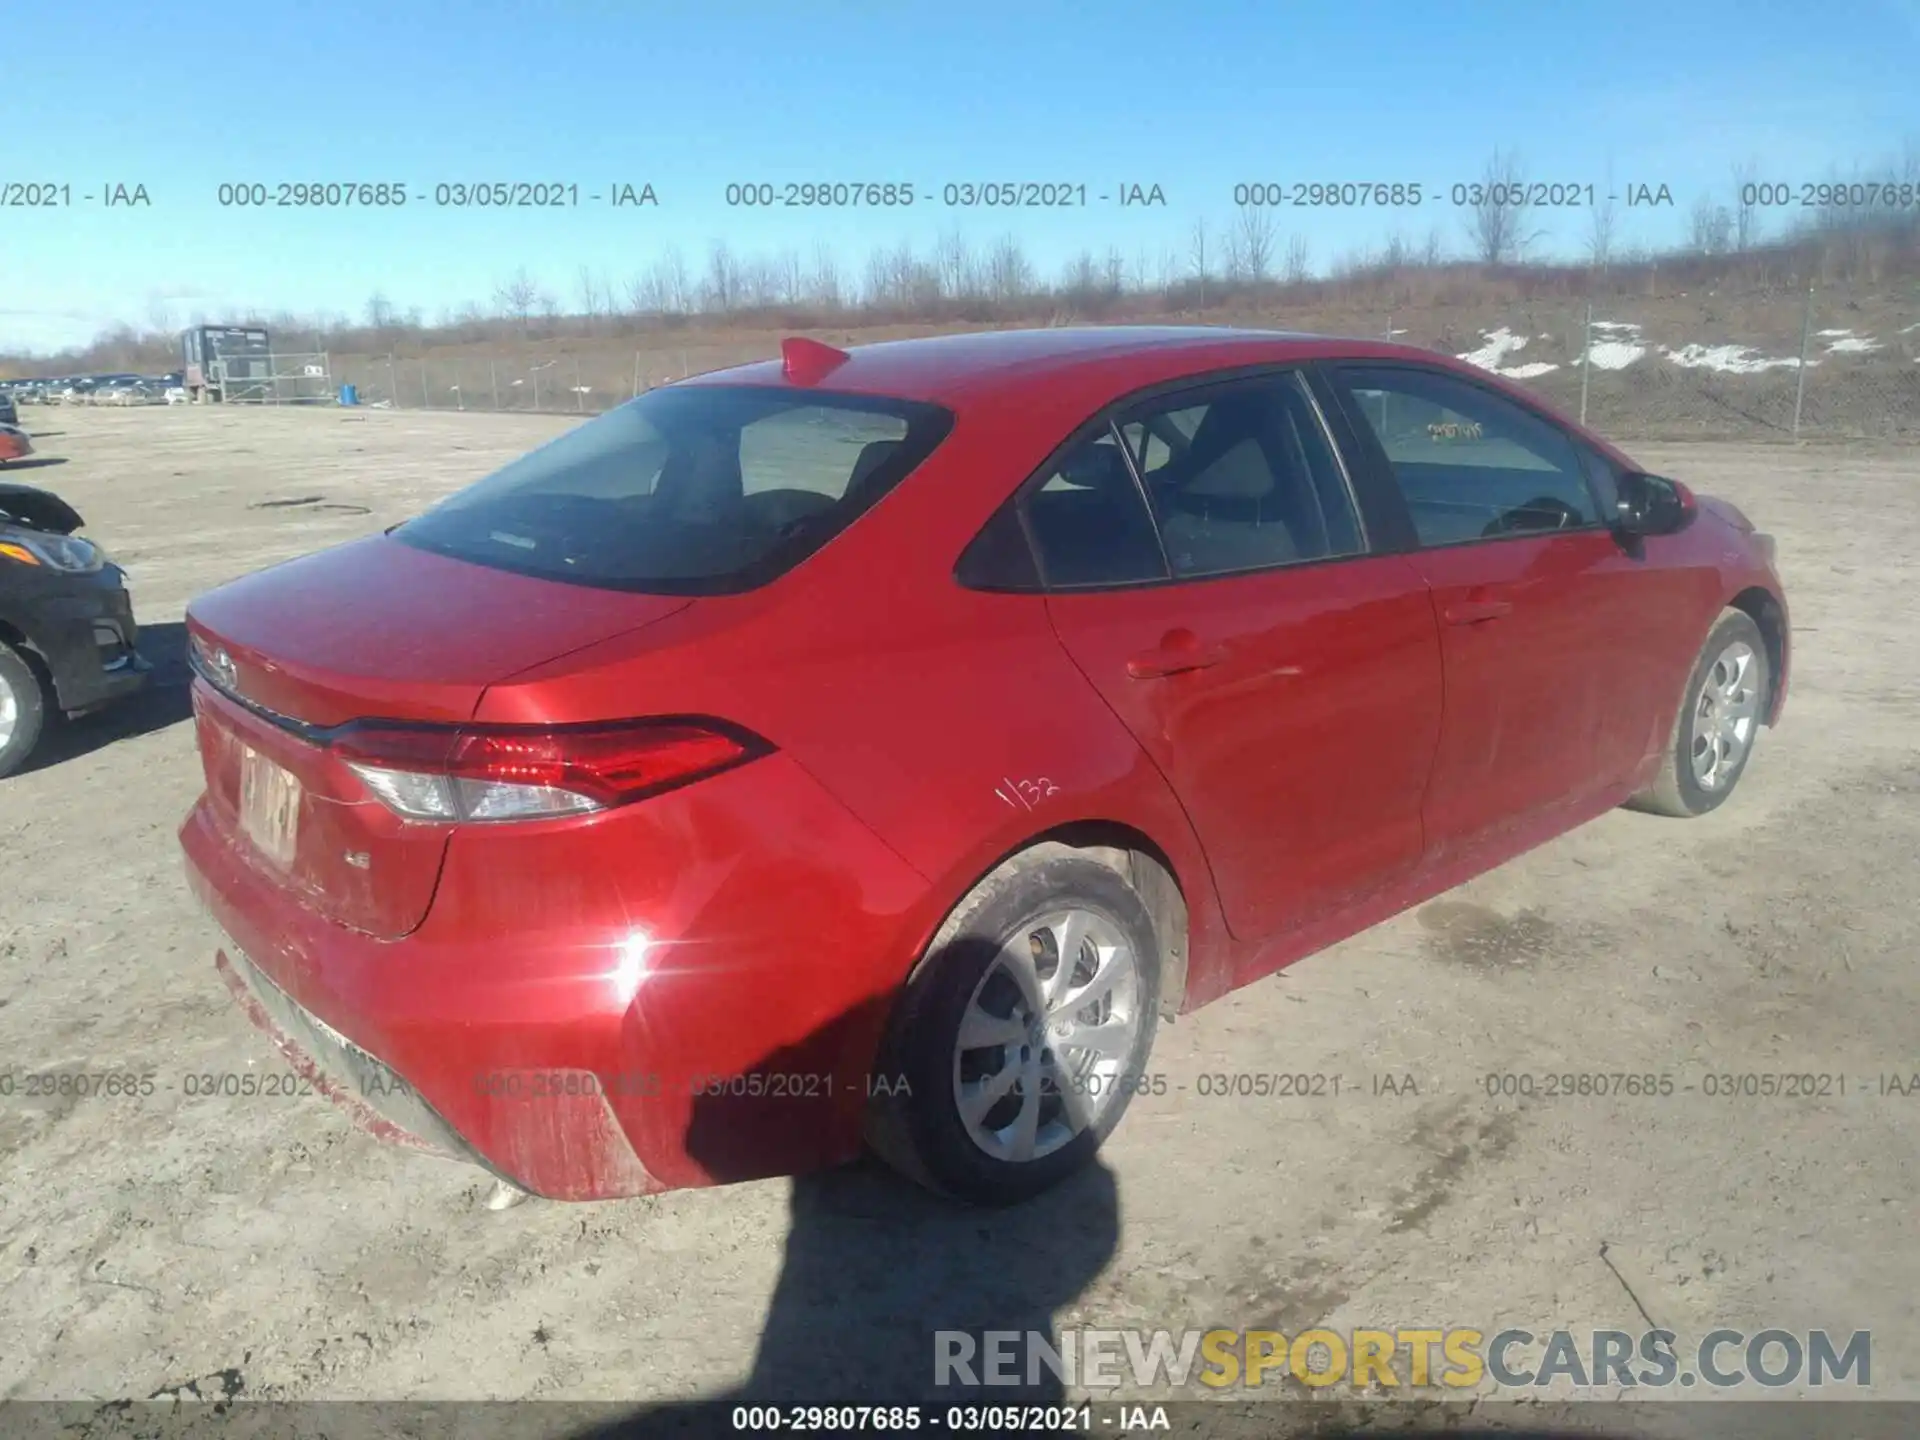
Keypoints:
pixel 1091 524
pixel 703 490
pixel 1471 465
pixel 1245 480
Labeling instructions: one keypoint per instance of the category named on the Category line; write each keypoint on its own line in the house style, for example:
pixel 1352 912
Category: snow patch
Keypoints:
pixel 1500 344
pixel 1620 348
pixel 1730 359
pixel 1846 342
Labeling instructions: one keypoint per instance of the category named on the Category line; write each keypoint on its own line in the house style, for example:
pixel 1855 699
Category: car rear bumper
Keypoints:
pixel 688 991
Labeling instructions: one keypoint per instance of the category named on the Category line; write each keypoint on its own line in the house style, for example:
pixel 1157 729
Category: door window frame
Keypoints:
pixel 1371 456
pixel 1371 513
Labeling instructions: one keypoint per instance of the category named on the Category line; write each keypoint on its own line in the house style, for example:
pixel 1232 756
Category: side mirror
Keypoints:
pixel 1652 505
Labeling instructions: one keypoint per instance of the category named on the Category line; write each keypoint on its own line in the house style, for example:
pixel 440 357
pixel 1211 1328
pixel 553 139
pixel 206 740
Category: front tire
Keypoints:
pixel 1023 1032
pixel 1721 712
pixel 23 709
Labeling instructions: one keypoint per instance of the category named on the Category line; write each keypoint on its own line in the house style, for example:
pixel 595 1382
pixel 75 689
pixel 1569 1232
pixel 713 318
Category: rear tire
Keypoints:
pixel 1720 716
pixel 1004 1069
pixel 23 709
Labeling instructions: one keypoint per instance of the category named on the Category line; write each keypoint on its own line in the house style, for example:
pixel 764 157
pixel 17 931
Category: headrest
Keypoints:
pixel 1242 473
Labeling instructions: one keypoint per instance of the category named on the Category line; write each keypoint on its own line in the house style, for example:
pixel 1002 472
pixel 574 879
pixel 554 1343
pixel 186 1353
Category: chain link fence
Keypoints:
pixel 582 380
pixel 1775 365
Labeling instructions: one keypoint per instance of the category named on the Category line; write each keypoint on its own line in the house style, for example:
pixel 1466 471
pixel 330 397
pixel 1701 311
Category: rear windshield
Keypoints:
pixel 703 490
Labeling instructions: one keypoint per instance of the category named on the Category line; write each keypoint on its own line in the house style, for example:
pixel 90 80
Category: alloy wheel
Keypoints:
pixel 1047 1034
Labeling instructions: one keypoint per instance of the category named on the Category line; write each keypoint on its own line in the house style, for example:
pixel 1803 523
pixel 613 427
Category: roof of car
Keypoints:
pixel 972 366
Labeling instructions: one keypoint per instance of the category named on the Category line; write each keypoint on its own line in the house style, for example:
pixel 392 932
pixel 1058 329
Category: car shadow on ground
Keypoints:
pixel 165 700
pixel 875 1267
pixel 880 1277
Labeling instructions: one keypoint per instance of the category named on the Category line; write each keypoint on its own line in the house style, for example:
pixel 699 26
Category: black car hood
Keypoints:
pixel 37 509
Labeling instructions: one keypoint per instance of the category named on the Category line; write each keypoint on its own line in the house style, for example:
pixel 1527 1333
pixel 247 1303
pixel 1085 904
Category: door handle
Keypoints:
pixel 1476 610
pixel 1176 653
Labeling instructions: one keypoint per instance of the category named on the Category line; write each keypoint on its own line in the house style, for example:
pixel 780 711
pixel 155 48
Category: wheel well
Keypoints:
pixel 1760 605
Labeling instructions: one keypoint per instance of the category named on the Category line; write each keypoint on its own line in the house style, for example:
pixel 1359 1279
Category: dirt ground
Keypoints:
pixel 263 1247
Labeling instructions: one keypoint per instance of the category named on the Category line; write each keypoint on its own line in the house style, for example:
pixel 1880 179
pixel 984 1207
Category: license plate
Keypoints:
pixel 269 806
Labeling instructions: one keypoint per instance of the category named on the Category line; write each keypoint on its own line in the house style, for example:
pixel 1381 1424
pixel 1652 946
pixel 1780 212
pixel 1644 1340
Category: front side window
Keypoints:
pixel 1243 479
pixel 702 490
pixel 1471 465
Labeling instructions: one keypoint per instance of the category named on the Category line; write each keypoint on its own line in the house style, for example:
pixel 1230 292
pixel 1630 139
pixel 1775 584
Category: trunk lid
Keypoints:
pixel 369 630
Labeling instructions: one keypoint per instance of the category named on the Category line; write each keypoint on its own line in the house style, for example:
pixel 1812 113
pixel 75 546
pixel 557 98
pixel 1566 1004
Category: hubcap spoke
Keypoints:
pixel 1064 1080
pixel 1109 966
pixel 1016 959
pixel 982 1095
pixel 982 1030
pixel 1071 936
pixel 1026 1125
pixel 1109 1040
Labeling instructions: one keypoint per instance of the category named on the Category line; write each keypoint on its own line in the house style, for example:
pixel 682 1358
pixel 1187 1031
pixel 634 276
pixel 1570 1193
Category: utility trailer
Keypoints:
pixel 227 362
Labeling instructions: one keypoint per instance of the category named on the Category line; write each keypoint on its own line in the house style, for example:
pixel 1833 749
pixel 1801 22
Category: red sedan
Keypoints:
pixel 869 747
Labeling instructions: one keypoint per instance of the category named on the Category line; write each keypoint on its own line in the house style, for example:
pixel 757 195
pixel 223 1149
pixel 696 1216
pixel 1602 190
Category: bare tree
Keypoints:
pixel 1296 267
pixel 1009 273
pixel 1253 241
pixel 642 298
pixel 959 272
pixel 721 292
pixel 1710 228
pixel 876 291
pixel 1081 280
pixel 677 283
pixel 1602 221
pixel 160 316
pixel 1746 205
pixel 1167 272
pixel 1497 221
pixel 759 287
pixel 1200 257
pixel 590 297
pixel 517 296
pixel 824 289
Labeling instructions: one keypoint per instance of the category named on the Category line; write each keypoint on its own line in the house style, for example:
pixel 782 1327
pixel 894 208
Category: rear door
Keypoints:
pixel 1526 581
pixel 1208 571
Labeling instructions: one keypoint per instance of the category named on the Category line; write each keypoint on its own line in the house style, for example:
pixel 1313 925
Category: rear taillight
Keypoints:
pixel 517 772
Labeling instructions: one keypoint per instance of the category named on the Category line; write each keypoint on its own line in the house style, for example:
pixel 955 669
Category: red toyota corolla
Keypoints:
pixel 870 747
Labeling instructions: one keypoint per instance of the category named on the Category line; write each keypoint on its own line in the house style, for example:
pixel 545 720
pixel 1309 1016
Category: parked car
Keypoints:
pixel 873 746
pixel 67 633
pixel 9 411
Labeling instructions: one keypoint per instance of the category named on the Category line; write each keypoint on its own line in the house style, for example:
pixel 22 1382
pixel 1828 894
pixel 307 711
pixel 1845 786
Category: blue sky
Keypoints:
pixel 1191 96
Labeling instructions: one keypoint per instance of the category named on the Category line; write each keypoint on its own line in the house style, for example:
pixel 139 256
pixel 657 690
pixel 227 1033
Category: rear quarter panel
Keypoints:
pixel 951 722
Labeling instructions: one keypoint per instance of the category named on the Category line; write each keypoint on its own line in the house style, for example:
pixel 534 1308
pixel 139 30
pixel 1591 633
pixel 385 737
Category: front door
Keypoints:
pixel 1526 581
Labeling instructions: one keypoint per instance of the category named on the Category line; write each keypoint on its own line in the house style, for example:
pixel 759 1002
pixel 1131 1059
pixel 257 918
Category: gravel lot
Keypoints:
pixel 263 1247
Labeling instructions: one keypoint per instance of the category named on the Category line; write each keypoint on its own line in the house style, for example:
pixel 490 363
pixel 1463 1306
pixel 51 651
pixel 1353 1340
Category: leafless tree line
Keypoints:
pixel 1246 261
